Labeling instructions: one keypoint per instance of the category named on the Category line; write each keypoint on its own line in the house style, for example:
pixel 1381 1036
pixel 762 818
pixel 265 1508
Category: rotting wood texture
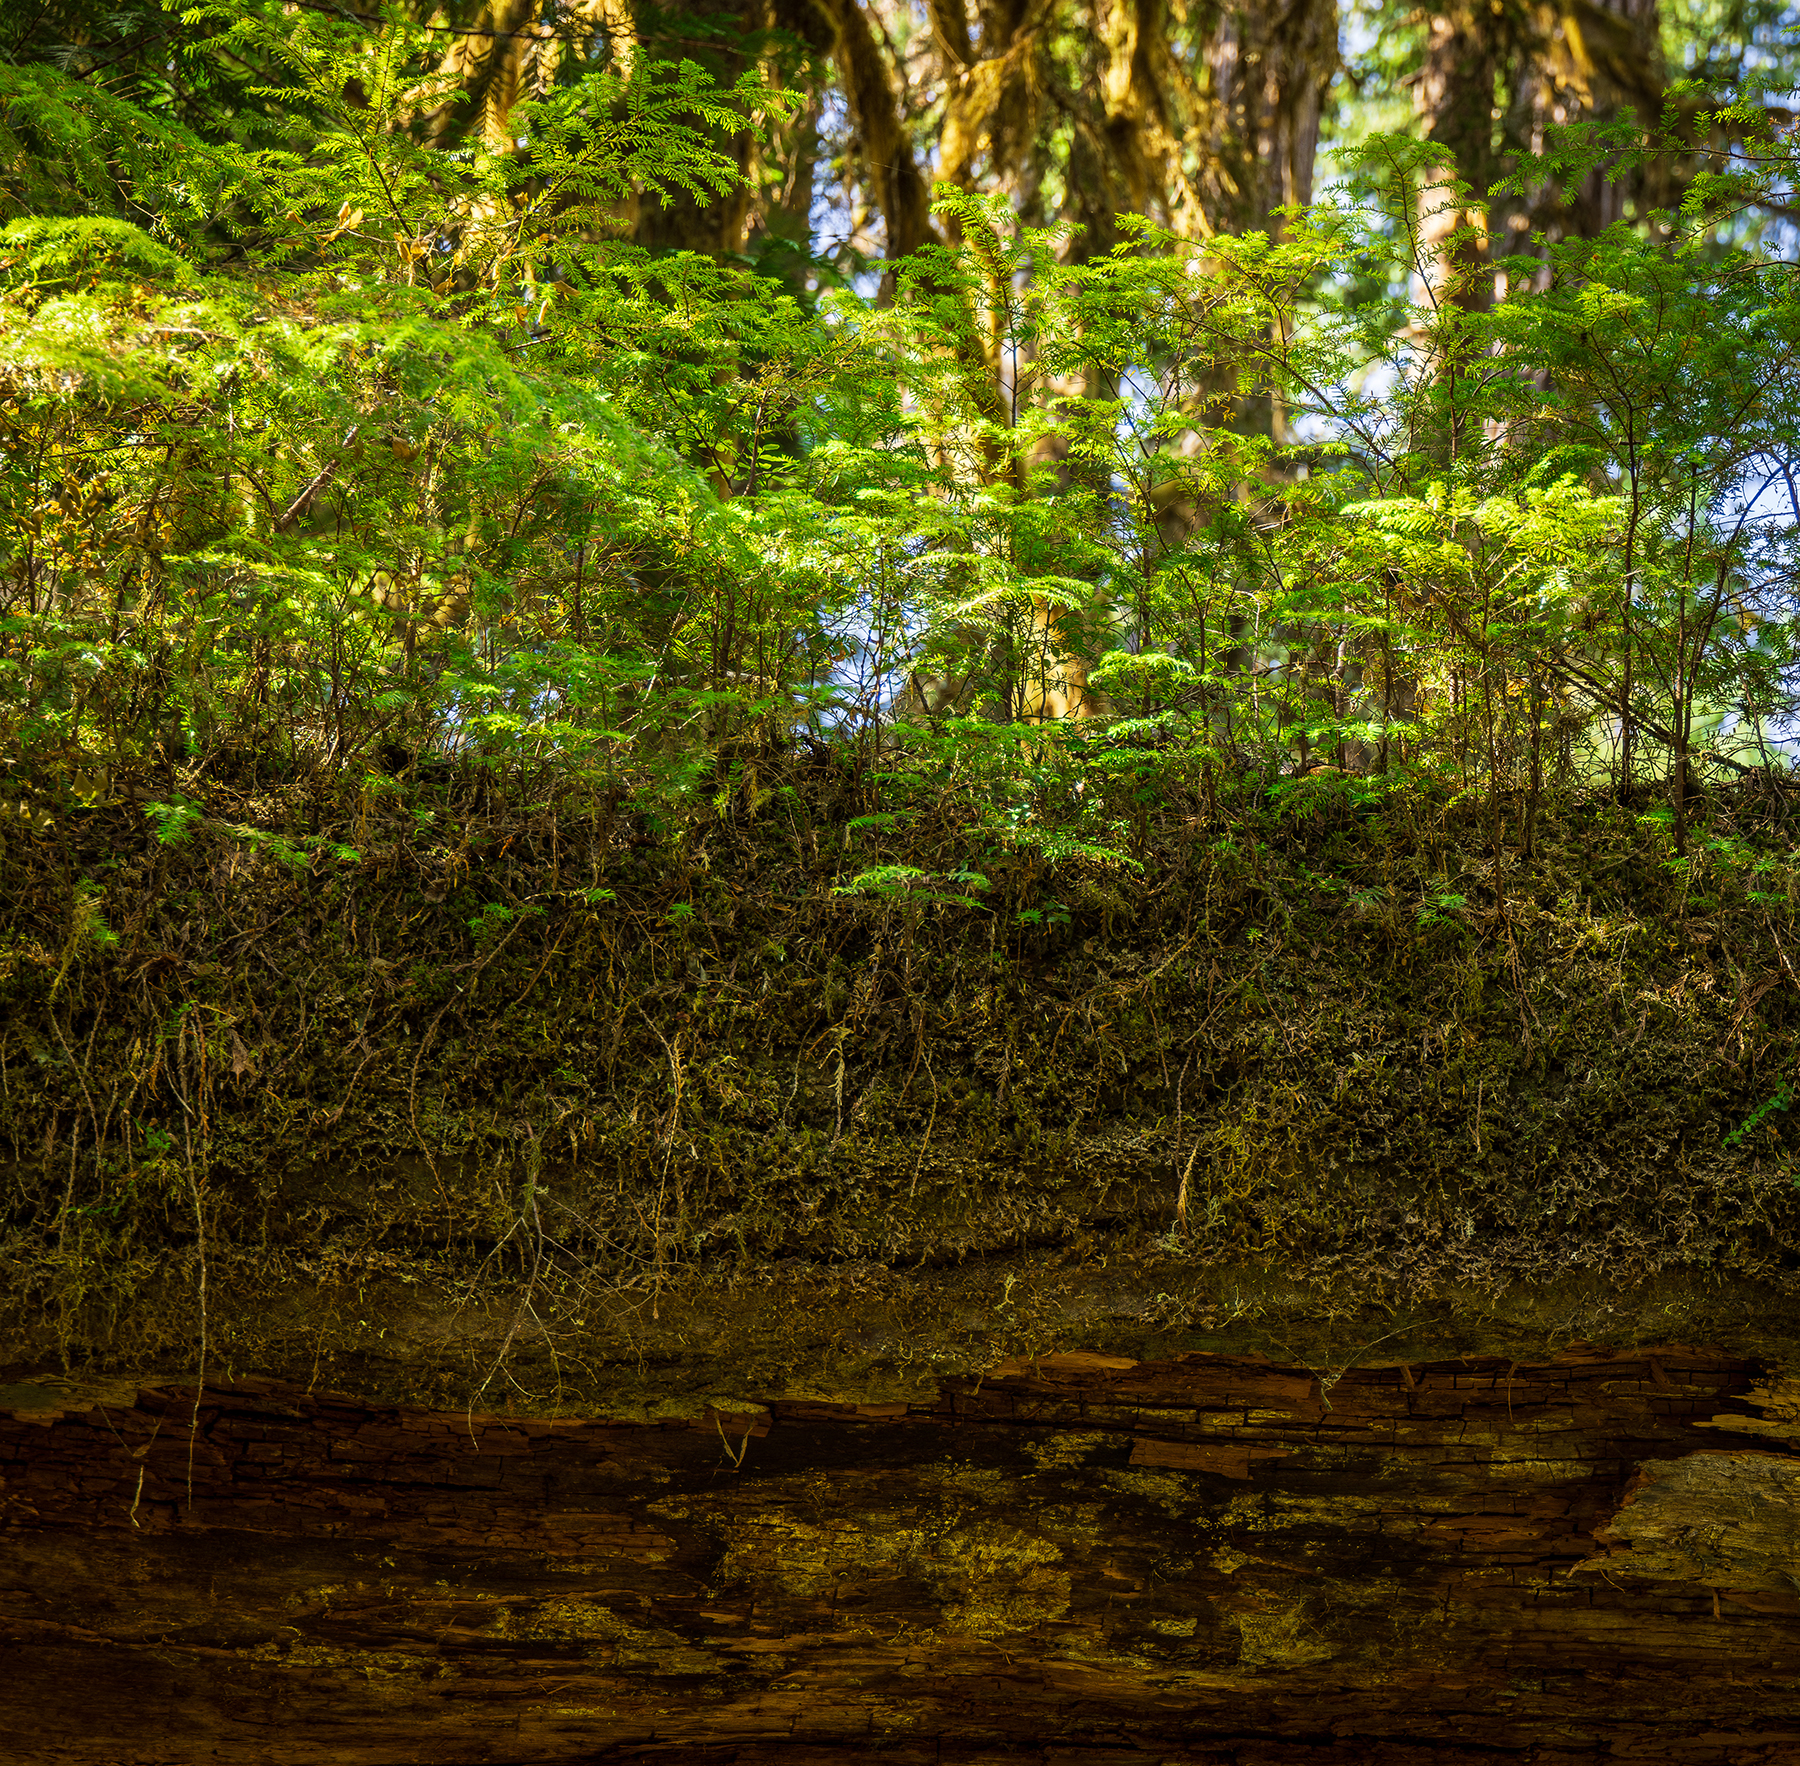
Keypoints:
pixel 1077 1560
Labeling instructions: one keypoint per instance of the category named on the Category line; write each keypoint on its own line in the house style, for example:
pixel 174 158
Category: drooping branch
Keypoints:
pixel 950 26
pixel 994 101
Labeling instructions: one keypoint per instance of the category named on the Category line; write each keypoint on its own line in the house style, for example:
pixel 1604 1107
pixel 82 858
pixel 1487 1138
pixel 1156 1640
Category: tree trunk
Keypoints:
pixel 1497 78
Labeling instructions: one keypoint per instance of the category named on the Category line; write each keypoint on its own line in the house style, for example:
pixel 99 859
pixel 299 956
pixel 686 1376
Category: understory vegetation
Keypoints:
pixel 541 768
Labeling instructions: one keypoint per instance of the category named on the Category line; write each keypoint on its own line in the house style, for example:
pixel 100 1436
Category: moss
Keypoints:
pixel 992 1572
pixel 372 1665
pixel 805 1143
pixel 1282 1637
pixel 1164 1490
pixel 594 1629
pixel 1058 1452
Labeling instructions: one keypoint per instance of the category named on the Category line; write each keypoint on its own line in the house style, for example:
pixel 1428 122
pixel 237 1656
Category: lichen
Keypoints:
pixel 1281 1637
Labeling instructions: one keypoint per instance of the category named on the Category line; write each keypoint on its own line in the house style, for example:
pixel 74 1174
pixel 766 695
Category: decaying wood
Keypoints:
pixel 1076 1559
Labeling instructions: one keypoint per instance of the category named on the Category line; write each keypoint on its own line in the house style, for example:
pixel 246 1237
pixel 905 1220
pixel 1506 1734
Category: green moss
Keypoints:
pixel 1073 1449
pixel 594 1629
pixel 803 1143
pixel 1162 1489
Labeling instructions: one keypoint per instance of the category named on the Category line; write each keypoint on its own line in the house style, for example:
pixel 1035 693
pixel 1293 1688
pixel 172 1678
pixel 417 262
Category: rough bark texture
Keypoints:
pixel 1079 1559
pixel 1498 77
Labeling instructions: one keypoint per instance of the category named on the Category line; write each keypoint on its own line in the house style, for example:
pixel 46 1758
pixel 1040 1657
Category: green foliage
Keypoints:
pixel 174 821
pixel 918 887
pixel 331 454
pixel 1779 1101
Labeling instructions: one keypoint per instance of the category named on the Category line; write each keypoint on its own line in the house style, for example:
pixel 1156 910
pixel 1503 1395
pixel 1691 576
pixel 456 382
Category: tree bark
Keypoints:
pixel 1078 1558
pixel 898 185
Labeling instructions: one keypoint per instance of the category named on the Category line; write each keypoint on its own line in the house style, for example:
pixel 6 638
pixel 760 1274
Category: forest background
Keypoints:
pixel 504 387
pixel 982 468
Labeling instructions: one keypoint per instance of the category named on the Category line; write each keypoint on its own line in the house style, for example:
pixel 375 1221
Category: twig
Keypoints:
pixel 200 1248
pixel 926 1142
pixel 737 1459
pixel 1181 1195
pixel 298 508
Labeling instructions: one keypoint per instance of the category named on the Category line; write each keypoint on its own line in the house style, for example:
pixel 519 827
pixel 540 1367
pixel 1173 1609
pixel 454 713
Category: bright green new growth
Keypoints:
pixel 329 451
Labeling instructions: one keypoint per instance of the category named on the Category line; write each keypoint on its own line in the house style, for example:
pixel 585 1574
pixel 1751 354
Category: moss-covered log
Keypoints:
pixel 549 1067
pixel 647 1295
